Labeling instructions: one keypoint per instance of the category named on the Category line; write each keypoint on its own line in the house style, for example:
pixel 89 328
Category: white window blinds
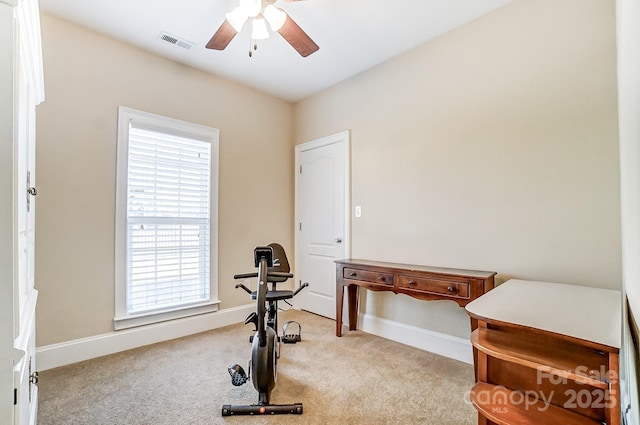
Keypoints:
pixel 168 220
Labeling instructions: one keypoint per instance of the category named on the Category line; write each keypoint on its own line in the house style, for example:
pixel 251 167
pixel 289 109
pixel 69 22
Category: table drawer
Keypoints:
pixel 435 286
pixel 368 276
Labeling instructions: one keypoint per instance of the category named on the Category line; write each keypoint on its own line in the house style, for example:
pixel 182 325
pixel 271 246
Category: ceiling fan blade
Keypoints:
pixel 296 36
pixel 222 37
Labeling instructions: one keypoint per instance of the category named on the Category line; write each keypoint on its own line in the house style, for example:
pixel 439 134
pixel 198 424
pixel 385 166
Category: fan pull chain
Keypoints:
pixel 255 46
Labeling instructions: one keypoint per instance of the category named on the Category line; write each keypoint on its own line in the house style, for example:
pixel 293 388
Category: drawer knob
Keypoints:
pixel 412 282
pixel 451 289
pixel 353 274
pixel 381 278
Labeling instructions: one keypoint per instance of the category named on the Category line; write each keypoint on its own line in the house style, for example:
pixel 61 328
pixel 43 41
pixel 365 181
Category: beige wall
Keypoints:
pixel 493 147
pixel 87 76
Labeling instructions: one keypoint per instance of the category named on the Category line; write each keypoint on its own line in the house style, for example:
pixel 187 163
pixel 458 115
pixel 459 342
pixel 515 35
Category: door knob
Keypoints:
pixel 338 240
pixel 32 191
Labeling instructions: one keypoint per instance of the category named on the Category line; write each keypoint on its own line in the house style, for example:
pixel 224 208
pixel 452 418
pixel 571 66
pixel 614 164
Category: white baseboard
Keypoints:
pixel 445 345
pixel 55 355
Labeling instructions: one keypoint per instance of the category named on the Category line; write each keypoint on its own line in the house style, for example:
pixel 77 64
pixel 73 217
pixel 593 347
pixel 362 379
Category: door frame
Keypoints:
pixel 344 138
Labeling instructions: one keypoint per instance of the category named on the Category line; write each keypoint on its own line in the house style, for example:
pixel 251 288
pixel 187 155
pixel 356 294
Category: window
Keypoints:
pixel 166 219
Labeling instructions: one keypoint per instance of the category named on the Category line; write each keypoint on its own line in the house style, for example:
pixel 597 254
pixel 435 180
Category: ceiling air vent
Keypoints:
pixel 175 40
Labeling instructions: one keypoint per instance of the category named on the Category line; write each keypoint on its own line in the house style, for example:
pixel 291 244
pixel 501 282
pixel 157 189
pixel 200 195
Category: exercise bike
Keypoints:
pixel 273 268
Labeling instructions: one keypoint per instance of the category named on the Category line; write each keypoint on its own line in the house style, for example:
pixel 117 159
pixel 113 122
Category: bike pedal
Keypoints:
pixel 238 375
pixel 291 338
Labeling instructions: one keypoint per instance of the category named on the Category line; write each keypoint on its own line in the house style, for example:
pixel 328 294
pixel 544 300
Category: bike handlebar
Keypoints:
pixel 269 274
pixel 300 288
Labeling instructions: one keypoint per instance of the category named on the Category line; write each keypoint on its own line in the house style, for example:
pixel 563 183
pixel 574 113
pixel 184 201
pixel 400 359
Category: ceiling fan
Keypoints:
pixel 262 12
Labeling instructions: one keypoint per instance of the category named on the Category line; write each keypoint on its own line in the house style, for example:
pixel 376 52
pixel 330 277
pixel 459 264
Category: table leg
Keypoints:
pixel 353 307
pixel 339 303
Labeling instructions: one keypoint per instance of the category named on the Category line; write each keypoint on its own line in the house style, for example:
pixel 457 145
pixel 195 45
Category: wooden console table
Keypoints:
pixel 546 353
pixel 422 282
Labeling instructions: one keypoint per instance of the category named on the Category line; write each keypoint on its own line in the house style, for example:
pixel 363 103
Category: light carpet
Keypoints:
pixel 357 379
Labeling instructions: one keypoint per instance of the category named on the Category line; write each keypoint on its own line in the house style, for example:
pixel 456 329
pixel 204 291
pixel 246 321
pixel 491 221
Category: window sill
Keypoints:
pixel 127 322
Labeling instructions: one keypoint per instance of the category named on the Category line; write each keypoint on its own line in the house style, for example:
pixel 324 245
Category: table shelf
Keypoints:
pixel 562 360
pixel 505 407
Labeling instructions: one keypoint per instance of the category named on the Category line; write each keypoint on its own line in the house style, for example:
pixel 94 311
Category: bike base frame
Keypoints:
pixel 265 409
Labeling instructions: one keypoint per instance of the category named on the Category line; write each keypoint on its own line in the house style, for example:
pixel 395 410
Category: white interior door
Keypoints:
pixel 21 89
pixel 25 294
pixel 322 219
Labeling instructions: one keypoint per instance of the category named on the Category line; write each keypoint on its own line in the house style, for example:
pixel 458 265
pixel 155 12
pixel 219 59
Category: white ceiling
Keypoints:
pixel 353 35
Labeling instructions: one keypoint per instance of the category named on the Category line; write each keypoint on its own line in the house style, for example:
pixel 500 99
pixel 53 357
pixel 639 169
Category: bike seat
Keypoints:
pixel 275 295
pixel 282 262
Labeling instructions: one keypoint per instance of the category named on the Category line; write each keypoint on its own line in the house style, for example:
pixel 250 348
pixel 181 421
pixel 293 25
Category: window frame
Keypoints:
pixel 126 116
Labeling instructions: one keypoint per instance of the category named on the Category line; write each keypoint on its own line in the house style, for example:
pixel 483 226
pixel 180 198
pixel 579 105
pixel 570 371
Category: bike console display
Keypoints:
pixel 261 252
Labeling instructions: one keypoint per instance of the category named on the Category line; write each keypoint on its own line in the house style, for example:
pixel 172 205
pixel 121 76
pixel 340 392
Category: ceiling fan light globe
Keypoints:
pixel 237 17
pixel 275 17
pixel 251 7
pixel 259 29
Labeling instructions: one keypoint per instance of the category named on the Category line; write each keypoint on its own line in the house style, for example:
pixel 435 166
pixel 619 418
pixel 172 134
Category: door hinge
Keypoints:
pixel 15 396
pixel 301 169
pixel 300 226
